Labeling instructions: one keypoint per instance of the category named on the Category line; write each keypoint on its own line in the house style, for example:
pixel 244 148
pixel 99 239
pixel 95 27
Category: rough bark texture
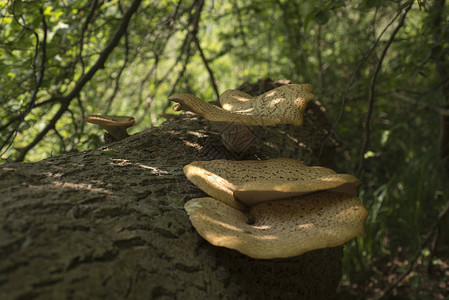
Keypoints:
pixel 95 226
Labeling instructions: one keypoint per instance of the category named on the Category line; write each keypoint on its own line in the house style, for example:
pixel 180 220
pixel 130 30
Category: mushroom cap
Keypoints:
pixel 214 180
pixel 283 228
pixel 254 181
pixel 282 105
pixel 252 193
pixel 111 121
pixel 115 125
pixel 235 100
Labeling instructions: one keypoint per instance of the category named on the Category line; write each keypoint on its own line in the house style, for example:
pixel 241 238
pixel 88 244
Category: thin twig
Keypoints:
pixel 441 110
pixel 199 9
pixel 158 52
pixel 85 26
pixel 65 101
pixel 319 48
pixel 241 27
pixel 371 50
pixel 412 262
pixel 372 88
pixel 120 71
pixel 38 78
pixel 206 64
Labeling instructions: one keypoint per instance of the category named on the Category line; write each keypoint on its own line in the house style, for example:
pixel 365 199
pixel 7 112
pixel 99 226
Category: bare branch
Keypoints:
pixel 319 48
pixel 198 46
pixel 65 101
pixel 120 71
pixel 441 110
pixel 372 88
pixel 93 6
pixel 38 74
pixel 240 22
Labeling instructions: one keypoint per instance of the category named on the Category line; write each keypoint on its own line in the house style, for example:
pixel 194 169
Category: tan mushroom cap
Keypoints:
pixel 283 228
pixel 115 125
pixel 253 181
pixel 252 193
pixel 282 105
pixel 102 120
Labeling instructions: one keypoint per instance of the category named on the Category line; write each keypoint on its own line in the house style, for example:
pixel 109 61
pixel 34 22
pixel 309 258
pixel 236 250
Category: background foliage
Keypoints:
pixel 380 68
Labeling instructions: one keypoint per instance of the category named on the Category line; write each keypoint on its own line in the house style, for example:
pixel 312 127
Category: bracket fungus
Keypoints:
pixel 249 182
pixel 115 125
pixel 282 228
pixel 283 105
pixel 293 208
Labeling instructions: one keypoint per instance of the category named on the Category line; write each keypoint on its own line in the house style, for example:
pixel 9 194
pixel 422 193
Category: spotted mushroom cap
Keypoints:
pixel 282 105
pixel 252 193
pixel 248 182
pixel 283 228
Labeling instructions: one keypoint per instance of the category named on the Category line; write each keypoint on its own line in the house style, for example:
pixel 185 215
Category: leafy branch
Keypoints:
pixel 372 88
pixel 199 8
pixel 85 78
pixel 38 76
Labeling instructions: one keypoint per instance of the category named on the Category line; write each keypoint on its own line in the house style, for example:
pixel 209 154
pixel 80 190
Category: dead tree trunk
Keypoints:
pixel 103 225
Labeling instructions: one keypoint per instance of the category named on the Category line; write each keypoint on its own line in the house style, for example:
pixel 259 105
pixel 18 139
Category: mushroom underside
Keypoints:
pixel 116 126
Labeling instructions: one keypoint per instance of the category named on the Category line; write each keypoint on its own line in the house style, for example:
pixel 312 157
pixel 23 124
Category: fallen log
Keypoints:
pixel 109 223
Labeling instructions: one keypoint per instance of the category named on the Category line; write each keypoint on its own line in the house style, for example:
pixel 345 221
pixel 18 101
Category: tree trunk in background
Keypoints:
pixel 94 225
pixel 436 15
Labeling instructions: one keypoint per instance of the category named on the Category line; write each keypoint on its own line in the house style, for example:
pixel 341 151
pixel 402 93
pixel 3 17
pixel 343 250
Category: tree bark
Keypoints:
pixel 111 225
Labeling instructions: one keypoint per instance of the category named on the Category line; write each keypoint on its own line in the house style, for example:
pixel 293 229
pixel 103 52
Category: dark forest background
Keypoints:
pixel 381 69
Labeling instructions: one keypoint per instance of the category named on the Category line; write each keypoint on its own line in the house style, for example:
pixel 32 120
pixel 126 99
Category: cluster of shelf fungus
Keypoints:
pixel 273 208
pixel 265 209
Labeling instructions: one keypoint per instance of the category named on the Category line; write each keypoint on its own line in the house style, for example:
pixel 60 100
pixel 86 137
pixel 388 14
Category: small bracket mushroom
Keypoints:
pixel 115 125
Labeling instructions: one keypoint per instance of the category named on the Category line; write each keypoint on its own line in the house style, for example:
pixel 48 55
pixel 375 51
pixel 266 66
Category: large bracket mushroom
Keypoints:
pixel 249 182
pixel 293 208
pixel 283 105
pixel 283 228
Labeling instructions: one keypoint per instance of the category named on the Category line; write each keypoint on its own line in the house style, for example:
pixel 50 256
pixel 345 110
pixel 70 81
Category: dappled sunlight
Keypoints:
pixel 197 134
pixel 153 170
pixel 124 162
pixel 248 110
pixel 275 102
pixel 220 223
pixel 193 145
pixel 224 231
pixel 241 98
pixel 262 227
pixel 219 181
pixel 78 186
pixel 210 178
